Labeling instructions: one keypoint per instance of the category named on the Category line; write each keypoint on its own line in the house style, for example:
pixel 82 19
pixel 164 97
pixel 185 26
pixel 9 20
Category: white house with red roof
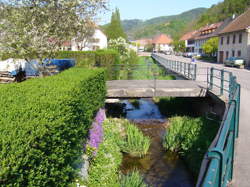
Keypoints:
pixel 162 42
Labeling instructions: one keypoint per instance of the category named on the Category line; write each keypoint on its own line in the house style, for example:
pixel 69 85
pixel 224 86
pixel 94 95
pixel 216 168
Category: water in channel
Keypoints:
pixel 159 168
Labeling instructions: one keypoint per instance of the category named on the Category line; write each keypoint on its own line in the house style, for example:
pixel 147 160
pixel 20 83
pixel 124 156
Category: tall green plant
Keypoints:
pixel 135 144
pixel 133 179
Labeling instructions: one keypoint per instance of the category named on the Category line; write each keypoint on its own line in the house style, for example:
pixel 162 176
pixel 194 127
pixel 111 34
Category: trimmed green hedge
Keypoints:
pixel 43 125
pixel 101 58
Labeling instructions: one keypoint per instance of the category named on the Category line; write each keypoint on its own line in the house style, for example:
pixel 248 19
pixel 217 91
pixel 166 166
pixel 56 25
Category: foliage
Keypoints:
pixel 34 29
pixel 149 48
pixel 132 179
pixel 191 138
pixel 101 58
pixel 221 11
pixel 179 46
pixel 170 25
pixel 104 168
pixel 96 133
pixel 211 46
pixel 135 143
pixel 127 55
pixel 114 30
pixel 43 124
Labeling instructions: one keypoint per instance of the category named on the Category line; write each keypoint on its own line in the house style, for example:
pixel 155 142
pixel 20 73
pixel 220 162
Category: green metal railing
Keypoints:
pixel 217 166
pixel 186 70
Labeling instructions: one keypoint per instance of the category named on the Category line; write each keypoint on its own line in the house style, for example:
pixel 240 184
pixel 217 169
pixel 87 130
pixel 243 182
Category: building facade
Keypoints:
pixel 97 41
pixel 235 39
pixel 162 42
pixel 204 34
pixel 189 40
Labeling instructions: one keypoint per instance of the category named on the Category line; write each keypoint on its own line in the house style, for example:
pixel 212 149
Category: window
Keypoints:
pixel 233 53
pixel 228 39
pixel 234 39
pixel 227 55
pixel 240 38
pixel 239 53
pixel 221 40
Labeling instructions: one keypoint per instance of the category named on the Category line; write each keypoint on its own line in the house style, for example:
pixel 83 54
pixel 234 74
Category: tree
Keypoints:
pixel 37 29
pixel 179 46
pixel 114 30
pixel 210 47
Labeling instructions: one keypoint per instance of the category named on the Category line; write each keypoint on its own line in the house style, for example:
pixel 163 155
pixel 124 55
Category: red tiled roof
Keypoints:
pixel 213 28
pixel 188 35
pixel 162 39
pixel 240 23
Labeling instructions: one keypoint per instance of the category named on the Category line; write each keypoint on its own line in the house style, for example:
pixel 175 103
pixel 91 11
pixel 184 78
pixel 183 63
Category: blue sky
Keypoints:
pixel 146 9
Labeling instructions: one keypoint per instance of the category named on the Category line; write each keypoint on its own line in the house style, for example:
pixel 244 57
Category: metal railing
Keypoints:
pixel 217 166
pixel 186 70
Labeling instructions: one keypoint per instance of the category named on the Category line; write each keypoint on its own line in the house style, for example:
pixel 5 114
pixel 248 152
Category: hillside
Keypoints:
pixel 171 25
pixel 222 11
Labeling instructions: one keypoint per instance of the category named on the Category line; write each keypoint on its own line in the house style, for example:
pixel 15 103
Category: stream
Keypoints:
pixel 159 168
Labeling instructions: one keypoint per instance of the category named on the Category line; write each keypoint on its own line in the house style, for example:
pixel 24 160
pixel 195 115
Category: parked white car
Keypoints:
pixel 234 61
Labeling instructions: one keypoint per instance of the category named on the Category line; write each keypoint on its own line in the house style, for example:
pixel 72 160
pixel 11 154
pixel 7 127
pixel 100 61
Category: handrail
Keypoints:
pixel 186 70
pixel 218 161
pixel 217 166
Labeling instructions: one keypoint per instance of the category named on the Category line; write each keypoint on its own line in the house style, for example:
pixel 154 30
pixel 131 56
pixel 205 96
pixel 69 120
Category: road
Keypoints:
pixel 242 154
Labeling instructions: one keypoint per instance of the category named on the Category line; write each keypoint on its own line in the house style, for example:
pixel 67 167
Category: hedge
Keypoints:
pixel 43 125
pixel 102 58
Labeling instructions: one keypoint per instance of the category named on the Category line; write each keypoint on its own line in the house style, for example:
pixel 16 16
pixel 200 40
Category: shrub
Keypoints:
pixel 43 124
pixel 135 143
pixel 133 179
pixel 104 168
pixel 191 138
pixel 102 58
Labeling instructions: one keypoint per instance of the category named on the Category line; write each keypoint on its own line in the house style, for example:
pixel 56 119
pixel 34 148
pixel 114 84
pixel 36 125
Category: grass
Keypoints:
pixel 191 138
pixel 119 135
pixel 145 69
pixel 135 144
pixel 133 179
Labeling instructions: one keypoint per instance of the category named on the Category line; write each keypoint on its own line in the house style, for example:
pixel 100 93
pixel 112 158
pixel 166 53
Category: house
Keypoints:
pixel 162 43
pixel 97 41
pixel 188 38
pixel 204 34
pixel 235 39
pixel 142 43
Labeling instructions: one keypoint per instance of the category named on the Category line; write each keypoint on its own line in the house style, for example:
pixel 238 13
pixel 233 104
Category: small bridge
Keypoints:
pixel 154 88
pixel 131 84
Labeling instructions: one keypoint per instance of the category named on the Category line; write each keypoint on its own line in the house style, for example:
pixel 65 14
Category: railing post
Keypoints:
pixel 222 82
pixel 195 71
pixel 189 70
pixel 211 78
pixel 230 85
pixel 185 69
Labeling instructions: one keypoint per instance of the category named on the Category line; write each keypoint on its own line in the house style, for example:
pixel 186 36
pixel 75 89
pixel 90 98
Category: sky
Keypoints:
pixel 146 9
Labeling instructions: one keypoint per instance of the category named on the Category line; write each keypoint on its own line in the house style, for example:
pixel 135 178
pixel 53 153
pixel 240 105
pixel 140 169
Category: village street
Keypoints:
pixel 242 161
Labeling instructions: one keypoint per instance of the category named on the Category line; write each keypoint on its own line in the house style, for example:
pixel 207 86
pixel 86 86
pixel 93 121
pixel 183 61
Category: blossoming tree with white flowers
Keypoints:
pixel 38 28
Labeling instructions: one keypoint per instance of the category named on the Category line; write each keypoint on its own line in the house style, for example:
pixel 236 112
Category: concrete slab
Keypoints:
pixel 154 88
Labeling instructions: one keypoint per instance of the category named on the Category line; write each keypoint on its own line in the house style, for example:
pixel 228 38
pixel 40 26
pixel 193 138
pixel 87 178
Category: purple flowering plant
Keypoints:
pixel 95 133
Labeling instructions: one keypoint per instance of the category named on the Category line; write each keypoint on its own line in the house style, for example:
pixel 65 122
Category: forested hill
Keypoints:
pixel 171 25
pixel 221 11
